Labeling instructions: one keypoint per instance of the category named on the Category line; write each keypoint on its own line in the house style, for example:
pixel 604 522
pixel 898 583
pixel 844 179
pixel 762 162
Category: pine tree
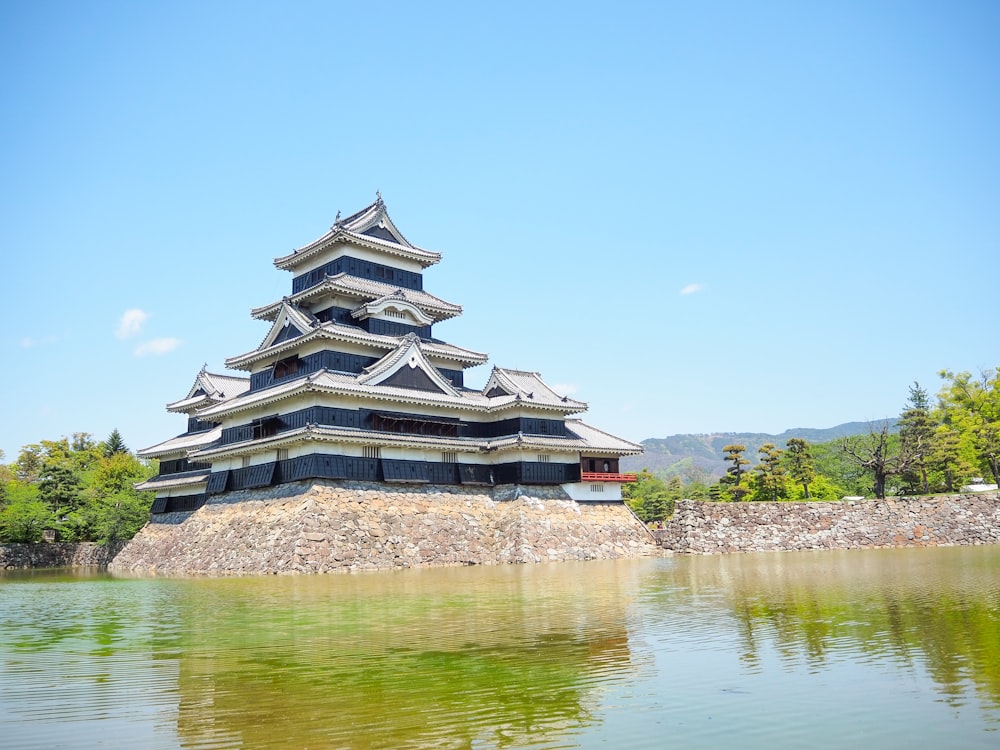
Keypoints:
pixel 114 444
pixel 801 466
pixel 916 436
pixel 770 473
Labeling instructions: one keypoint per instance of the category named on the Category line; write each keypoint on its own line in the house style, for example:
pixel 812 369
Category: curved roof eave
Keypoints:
pixel 338 332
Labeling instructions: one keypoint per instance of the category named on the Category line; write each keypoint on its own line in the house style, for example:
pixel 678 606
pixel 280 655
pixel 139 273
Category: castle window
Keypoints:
pixel 282 454
pixel 246 462
pixel 543 458
pixel 599 488
pixel 449 457
pixel 285 367
pixel 372 451
pixel 267 427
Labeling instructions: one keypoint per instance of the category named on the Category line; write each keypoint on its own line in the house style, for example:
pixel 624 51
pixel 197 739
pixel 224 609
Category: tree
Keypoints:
pixel 24 517
pixel 649 497
pixel 734 486
pixel 770 479
pixel 113 444
pixel 972 406
pixel 949 459
pixel 59 487
pixel 878 454
pixel 800 463
pixel 916 437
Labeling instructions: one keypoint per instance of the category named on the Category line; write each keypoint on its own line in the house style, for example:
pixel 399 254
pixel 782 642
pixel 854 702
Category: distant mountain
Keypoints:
pixel 699 457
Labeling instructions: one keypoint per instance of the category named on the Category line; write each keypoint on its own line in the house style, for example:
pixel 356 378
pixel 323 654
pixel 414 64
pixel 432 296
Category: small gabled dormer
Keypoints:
pixel 407 367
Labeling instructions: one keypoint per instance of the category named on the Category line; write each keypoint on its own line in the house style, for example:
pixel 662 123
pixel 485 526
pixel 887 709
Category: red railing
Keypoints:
pixel 605 476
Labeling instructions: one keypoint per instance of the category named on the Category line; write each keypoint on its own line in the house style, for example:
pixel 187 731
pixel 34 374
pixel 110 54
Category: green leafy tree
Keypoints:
pixel 649 497
pixel 972 406
pixel 951 459
pixel 800 464
pixel 24 517
pixel 60 487
pixel 769 480
pixel 115 511
pixel 28 465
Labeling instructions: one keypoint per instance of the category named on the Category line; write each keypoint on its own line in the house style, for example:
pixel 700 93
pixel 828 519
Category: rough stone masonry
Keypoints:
pixel 330 525
pixel 944 520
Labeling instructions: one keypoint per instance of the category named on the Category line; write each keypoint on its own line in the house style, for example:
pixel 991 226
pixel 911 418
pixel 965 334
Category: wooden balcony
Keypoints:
pixel 605 476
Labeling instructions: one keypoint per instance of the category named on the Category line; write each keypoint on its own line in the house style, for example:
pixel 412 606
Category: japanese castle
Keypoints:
pixel 351 383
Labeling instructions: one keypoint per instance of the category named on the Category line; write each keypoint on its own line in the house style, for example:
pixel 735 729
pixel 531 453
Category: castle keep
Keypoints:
pixel 351 386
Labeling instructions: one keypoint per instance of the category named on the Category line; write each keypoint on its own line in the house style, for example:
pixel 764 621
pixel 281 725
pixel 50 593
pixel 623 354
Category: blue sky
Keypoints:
pixel 697 217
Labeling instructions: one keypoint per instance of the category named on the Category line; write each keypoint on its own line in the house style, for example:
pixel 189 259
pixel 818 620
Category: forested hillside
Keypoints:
pixel 699 458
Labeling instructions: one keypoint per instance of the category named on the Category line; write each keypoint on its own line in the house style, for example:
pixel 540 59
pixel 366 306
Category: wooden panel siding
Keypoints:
pixel 363 269
pixel 535 472
pixel 524 425
pixel 177 504
pixel 405 471
pixel 196 425
pixel 250 477
pixel 475 474
pixel 325 466
pixel 179 465
pixel 384 327
pixel 331 466
pixel 217 482
pixel 325 360
pixel 455 377
pixel 398 422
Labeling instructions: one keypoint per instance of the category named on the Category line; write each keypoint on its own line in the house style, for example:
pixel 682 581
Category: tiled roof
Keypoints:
pixel 602 441
pixel 181 444
pixel 353 334
pixel 585 439
pixel 363 289
pixel 353 229
pixel 325 381
pixel 529 387
pixel 411 350
pixel 172 481
pixel 214 388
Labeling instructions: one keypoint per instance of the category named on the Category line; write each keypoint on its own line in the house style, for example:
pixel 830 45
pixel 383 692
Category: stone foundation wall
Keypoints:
pixel 707 528
pixel 56 555
pixel 326 526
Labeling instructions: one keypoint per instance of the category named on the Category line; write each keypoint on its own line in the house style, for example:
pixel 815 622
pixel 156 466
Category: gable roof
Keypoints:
pixel 333 331
pixel 366 290
pixel 392 370
pixel 209 388
pixel 527 387
pixel 290 322
pixel 370 227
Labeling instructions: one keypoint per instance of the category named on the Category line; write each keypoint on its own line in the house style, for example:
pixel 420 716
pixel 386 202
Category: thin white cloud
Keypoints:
pixel 28 342
pixel 564 389
pixel 131 323
pixel 157 347
pixel 692 289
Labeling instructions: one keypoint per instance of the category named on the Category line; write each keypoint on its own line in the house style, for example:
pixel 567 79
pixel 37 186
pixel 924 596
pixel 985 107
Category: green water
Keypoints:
pixel 891 648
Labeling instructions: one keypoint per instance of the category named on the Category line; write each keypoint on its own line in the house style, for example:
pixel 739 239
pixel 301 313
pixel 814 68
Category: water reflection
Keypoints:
pixel 508 656
pixel 822 649
pixel 931 610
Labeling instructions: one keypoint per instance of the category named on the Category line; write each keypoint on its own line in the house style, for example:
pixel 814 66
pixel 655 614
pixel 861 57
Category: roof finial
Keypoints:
pixel 336 219
pixel 204 367
pixel 378 196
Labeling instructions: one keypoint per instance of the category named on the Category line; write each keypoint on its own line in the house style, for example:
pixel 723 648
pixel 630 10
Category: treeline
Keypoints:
pixel 941 445
pixel 80 489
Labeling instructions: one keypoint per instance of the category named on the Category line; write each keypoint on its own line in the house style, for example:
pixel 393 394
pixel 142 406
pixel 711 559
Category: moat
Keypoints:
pixel 890 648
